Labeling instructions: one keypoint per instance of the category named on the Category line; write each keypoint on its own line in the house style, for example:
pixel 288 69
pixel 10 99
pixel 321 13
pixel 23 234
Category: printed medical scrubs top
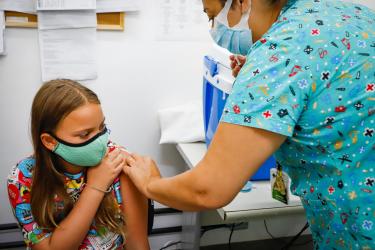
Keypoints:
pixel 311 78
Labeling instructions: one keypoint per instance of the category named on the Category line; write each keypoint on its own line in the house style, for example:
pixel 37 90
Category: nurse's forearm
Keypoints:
pixel 221 174
pixel 193 190
pixel 178 192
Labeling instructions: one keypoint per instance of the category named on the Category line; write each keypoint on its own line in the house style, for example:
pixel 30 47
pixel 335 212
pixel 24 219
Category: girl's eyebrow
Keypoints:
pixel 90 129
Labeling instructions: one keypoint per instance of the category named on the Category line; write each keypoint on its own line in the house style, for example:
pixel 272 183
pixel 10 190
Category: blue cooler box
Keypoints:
pixel 217 85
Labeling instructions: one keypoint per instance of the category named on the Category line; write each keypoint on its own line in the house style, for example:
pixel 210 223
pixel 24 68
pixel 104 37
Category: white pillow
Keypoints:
pixel 182 124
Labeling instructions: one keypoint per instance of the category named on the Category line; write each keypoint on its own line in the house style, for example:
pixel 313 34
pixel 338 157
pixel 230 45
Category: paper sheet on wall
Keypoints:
pixel 66 4
pixel 26 6
pixel 66 19
pixel 180 20
pixel 68 53
pixel 2 31
pixel 103 6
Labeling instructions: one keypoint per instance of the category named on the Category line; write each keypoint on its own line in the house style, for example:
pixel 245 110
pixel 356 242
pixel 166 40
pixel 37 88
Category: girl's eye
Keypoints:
pixel 83 135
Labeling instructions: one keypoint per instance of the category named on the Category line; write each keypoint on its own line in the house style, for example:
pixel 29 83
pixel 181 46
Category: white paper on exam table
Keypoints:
pixel 66 19
pixel 66 5
pixel 68 53
pixel 26 6
pixel 103 6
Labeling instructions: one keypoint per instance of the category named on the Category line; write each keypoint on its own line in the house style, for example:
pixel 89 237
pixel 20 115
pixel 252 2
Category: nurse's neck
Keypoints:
pixel 263 14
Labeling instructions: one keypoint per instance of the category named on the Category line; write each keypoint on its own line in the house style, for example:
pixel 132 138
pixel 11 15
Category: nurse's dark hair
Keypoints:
pixel 272 2
pixel 53 102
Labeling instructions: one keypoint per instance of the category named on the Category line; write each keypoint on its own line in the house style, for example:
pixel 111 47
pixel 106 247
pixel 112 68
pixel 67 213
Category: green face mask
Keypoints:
pixel 86 154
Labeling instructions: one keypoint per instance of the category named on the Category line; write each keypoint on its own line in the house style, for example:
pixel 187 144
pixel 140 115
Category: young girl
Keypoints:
pixel 69 194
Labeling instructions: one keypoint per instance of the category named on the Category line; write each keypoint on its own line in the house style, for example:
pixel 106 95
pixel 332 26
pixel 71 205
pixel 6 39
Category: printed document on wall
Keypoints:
pixel 103 6
pixel 66 19
pixel 180 20
pixel 66 4
pixel 26 6
pixel 68 53
pixel 2 30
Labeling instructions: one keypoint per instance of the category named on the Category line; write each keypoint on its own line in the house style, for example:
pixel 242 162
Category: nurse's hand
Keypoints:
pixel 142 171
pixel 236 63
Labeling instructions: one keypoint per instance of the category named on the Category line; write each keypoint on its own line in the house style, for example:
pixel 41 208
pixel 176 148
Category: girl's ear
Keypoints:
pixel 48 141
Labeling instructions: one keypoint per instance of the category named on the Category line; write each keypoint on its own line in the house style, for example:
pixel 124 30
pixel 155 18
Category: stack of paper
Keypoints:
pixel 26 6
pixel 30 6
pixel 67 39
pixel 66 5
pixel 2 30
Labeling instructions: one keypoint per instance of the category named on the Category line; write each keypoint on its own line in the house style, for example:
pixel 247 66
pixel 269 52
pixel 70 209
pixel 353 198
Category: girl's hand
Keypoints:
pixel 141 170
pixel 236 63
pixel 103 175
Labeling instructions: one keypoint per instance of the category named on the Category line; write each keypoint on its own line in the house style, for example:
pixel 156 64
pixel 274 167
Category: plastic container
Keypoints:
pixel 217 85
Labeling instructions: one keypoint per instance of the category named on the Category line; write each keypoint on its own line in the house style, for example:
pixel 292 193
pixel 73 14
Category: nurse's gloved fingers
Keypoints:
pixel 137 157
pixel 131 161
pixel 235 71
pixel 233 64
pixel 241 60
pixel 237 61
pixel 125 154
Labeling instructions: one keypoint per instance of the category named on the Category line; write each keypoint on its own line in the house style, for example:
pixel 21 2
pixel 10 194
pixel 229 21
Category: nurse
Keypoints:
pixel 306 94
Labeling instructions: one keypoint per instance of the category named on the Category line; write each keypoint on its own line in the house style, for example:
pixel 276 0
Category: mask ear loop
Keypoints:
pixel 56 146
pixel 244 21
pixel 222 17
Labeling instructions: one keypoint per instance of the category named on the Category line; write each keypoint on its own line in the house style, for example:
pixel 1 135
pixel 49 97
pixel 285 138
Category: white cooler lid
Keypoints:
pixel 223 80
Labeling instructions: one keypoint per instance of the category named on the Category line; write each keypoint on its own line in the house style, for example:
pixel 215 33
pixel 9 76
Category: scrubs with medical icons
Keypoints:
pixel 311 77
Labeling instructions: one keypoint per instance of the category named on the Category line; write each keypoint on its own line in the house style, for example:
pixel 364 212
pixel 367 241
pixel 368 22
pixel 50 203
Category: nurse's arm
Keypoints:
pixel 235 154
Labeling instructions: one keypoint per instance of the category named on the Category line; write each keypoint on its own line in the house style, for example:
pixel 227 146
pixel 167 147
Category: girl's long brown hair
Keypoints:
pixel 53 102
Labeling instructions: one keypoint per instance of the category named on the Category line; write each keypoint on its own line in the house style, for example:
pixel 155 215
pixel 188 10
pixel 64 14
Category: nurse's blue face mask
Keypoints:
pixel 236 39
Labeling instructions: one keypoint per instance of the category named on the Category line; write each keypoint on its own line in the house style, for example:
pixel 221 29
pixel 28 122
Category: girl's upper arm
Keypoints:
pixel 135 207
